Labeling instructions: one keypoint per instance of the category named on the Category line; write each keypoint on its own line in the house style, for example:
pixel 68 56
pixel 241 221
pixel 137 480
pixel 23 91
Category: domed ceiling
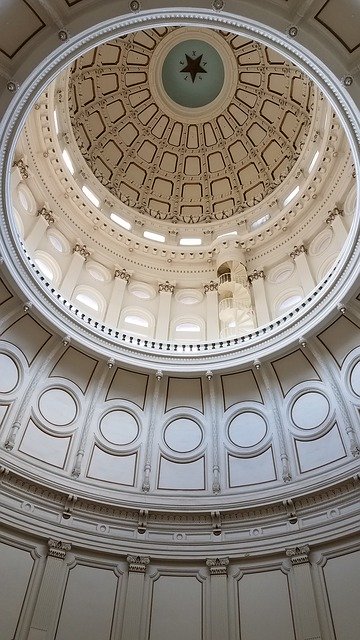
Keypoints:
pixel 189 125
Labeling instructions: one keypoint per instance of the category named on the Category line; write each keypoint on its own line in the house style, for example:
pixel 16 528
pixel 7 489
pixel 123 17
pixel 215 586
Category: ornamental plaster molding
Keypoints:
pixel 211 286
pixel 217 566
pixel 58 548
pixel 138 564
pixel 298 555
pixel 166 287
pixel 298 250
pixel 122 274
pixel 333 213
pixel 47 214
pixel 82 250
pixel 256 275
pixel 23 168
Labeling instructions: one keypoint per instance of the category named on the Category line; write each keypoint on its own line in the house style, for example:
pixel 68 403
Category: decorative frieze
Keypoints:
pixel 122 274
pixel 58 548
pixel 256 275
pixel 82 250
pixel 211 286
pixel 46 214
pixel 166 287
pixel 138 564
pixel 297 251
pixel 23 168
pixel 217 566
pixel 298 555
pixel 333 213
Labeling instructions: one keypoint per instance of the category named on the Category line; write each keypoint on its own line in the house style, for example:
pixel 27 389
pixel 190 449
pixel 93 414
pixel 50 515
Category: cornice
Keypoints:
pixel 313 518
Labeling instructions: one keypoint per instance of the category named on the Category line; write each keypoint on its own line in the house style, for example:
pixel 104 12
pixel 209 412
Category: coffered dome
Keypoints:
pixel 189 125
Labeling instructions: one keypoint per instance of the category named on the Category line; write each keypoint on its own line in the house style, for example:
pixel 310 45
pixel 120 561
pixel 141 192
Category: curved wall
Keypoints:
pixel 165 551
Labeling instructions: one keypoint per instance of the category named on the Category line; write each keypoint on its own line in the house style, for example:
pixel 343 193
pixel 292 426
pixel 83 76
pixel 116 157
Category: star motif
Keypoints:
pixel 193 67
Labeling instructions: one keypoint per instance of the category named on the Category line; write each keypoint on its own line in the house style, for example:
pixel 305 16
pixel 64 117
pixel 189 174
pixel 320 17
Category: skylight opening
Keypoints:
pixel 190 242
pixel 313 161
pixel 229 233
pixel 136 320
pixel 291 195
pixel 87 301
pixel 56 123
pixel 154 236
pixel 260 221
pixel 90 195
pixel 68 162
pixel 45 269
pixel 120 221
pixel 187 326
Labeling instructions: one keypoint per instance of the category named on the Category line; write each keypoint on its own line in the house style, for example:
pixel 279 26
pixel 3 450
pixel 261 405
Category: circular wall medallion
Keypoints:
pixel 9 374
pixel 355 379
pixel 310 410
pixel 57 407
pixel 247 429
pixel 193 73
pixel 119 427
pixel 183 435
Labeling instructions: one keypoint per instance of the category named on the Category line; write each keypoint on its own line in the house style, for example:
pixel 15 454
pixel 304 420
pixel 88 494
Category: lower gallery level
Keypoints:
pixel 179 320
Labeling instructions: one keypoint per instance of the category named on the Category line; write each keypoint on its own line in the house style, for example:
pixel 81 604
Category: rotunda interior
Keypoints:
pixel 180 321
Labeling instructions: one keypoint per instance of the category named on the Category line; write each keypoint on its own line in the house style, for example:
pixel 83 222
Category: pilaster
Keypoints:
pixel 79 257
pixel 299 256
pixel 121 280
pixel 166 289
pixel 134 596
pixel 257 281
pixel 218 598
pixel 212 310
pixel 306 618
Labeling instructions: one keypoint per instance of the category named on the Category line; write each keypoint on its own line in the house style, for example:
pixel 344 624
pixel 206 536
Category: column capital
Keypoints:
pixel 297 251
pixel 298 555
pixel 23 168
pixel 217 566
pixel 256 275
pixel 82 250
pixel 333 213
pixel 58 548
pixel 138 564
pixel 166 287
pixel 47 214
pixel 122 274
pixel 211 286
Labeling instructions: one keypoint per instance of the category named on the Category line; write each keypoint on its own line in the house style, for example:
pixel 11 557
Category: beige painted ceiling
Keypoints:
pixel 187 169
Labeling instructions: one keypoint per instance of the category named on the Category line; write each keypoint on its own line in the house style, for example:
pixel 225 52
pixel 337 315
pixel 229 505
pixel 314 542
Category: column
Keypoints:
pixel 49 596
pixel 134 597
pixel 334 220
pixel 212 310
pixel 80 255
pixel 34 237
pixel 218 597
pixel 121 279
pixel 163 318
pixel 256 279
pixel 306 615
pixel 302 267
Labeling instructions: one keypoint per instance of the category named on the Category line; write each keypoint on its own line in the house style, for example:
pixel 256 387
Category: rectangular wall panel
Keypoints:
pixel 342 577
pixel 15 571
pixel 176 609
pixel 88 605
pixel 264 606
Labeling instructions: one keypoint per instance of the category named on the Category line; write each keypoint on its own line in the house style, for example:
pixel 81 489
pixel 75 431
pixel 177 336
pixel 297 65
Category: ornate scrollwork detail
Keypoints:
pixel 58 548
pixel 122 274
pixel 47 214
pixel 23 168
pixel 297 251
pixel 298 555
pixel 256 275
pixel 167 287
pixel 82 250
pixel 211 286
pixel 217 566
pixel 138 564
pixel 333 213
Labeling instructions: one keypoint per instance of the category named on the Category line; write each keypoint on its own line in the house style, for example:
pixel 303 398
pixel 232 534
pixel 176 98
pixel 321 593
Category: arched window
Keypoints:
pixel 90 301
pixel 136 321
pixel 48 267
